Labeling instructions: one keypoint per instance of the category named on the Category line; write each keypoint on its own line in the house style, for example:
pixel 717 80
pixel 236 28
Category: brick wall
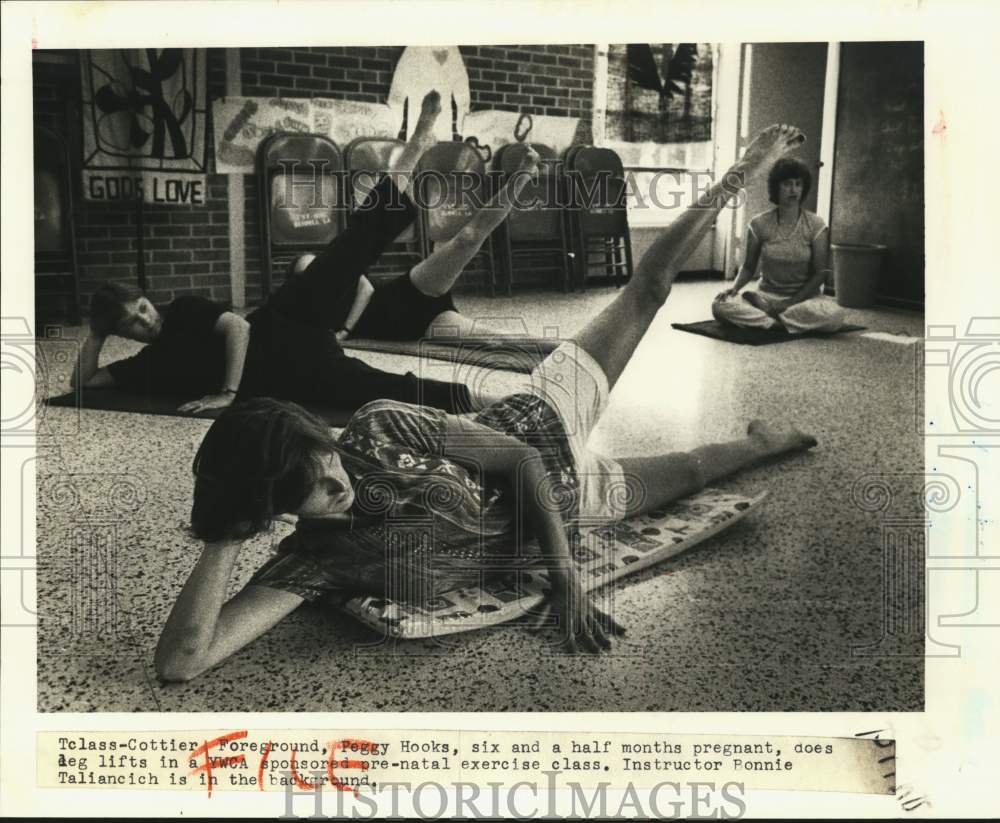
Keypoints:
pixel 552 79
pixel 187 247
pixel 338 72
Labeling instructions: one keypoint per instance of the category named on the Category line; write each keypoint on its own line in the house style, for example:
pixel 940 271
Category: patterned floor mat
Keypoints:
pixel 605 553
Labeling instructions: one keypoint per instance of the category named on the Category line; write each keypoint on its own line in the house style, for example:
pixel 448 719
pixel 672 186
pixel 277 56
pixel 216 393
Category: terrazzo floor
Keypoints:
pixel 763 617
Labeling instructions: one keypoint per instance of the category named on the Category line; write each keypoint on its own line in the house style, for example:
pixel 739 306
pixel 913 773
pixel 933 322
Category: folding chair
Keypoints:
pixel 535 235
pixel 366 160
pixel 301 202
pixel 598 216
pixel 451 185
pixel 56 268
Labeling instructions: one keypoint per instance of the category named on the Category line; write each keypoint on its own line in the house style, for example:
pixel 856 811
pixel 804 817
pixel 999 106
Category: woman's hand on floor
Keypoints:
pixel 582 626
pixel 209 401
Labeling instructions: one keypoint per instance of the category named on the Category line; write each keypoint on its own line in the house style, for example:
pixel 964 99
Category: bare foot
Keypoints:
pixel 778 439
pixel 529 163
pixel 526 170
pixel 422 139
pixel 429 109
pixel 771 145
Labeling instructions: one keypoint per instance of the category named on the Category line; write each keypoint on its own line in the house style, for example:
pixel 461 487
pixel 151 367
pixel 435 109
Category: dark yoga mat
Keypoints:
pixel 122 401
pixel 514 353
pixel 752 337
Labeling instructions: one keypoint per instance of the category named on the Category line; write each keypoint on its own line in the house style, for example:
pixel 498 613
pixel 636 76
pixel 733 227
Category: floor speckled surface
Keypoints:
pixel 763 617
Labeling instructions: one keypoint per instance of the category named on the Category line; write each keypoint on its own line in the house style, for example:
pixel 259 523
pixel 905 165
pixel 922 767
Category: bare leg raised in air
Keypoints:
pixel 438 273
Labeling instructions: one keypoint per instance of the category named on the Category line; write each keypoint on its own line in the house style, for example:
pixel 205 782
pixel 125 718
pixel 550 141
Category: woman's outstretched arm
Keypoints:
pixel 748 269
pixel 203 629
pixel 235 331
pixel 86 373
pixel 582 626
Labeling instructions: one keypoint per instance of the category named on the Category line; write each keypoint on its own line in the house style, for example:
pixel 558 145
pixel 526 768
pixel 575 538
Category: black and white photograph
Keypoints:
pixel 422 369
pixel 478 378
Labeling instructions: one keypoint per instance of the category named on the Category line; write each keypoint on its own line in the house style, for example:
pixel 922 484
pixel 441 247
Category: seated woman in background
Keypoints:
pixel 791 244
pixel 287 348
pixel 411 502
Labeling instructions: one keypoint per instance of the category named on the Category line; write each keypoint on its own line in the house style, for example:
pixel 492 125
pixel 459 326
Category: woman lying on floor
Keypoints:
pixel 407 306
pixel 521 463
pixel 419 303
pixel 287 349
pixel 791 244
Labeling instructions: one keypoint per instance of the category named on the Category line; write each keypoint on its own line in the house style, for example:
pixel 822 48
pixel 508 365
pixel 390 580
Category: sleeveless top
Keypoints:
pixel 785 253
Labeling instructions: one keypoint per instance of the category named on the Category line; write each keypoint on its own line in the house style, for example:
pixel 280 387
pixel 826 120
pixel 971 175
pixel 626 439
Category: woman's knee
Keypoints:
pixel 450 323
pixel 720 311
pixel 468 238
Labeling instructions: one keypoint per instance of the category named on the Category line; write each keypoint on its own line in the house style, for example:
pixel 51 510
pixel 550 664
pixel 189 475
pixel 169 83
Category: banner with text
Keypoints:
pixel 144 125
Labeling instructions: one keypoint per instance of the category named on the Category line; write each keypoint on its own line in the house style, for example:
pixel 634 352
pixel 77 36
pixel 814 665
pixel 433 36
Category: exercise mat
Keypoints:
pixel 605 553
pixel 753 337
pixel 511 353
pixel 118 400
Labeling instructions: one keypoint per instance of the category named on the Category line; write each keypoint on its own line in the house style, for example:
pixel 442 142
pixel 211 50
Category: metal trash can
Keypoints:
pixel 857 269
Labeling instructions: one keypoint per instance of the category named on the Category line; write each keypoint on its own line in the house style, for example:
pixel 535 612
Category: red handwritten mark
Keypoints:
pixel 302 784
pixel 235 760
pixel 260 768
pixel 940 126
pixel 364 745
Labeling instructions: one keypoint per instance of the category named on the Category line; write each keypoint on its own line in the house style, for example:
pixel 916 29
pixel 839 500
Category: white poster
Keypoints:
pixel 243 123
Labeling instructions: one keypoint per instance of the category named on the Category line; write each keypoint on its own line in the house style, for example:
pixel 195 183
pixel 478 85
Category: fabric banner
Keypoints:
pixel 660 93
pixel 144 125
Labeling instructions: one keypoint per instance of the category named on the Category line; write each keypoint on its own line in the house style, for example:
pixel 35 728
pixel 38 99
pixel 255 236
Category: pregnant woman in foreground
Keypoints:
pixel 519 467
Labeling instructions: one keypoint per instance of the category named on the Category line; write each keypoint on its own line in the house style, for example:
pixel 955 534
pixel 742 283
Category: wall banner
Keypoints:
pixel 144 125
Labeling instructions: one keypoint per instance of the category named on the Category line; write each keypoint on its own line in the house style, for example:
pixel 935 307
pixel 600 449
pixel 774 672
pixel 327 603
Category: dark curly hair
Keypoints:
pixel 258 459
pixel 107 306
pixel 788 169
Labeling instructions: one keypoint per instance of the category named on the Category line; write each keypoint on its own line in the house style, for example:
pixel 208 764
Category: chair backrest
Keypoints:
pixel 597 188
pixel 452 185
pixel 543 220
pixel 366 160
pixel 591 160
pixel 569 153
pixel 53 197
pixel 302 178
pixel 300 197
pixel 55 237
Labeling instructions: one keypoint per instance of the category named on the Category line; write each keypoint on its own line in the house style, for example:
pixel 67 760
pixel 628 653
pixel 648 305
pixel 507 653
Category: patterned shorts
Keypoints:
pixel 574 385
